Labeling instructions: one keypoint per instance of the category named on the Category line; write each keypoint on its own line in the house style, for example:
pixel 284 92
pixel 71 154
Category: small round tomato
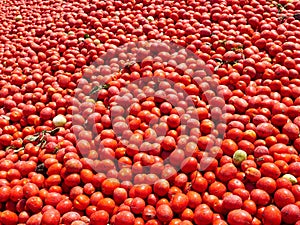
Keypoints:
pixel 217 188
pixel 81 202
pixel 64 206
pixel 231 202
pixel 227 172
pixel 100 217
pixel 34 204
pixel 137 205
pixel 239 216
pixel 106 204
pixel 179 202
pixel 124 217
pixel 5 192
pixel 203 215
pixel 250 206
pixel 164 213
pixel 109 185
pixel 51 216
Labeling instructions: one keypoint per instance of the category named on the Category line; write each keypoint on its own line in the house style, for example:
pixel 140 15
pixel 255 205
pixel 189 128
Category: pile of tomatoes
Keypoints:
pixel 149 112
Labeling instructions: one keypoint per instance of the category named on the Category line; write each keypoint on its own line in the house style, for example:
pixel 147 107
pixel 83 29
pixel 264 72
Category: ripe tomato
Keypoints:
pixel 51 216
pixel 203 215
pixel 239 216
pixel 100 217
pixel 179 202
pixel 271 215
pixel 9 217
pixel 164 213
pixel 283 197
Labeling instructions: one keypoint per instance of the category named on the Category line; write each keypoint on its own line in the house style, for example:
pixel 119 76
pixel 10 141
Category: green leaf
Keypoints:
pixel 10 147
pixel 42 144
pixel 18 150
pixel 129 64
pixel 86 36
pixel 98 88
pixel 32 138
pixel 95 90
pixel 105 86
pixel 5 117
pixel 56 149
pixel 54 131
pixel 218 60
pixel 216 68
pixel 40 168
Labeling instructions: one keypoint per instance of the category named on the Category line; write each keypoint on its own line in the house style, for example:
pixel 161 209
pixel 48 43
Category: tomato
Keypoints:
pixel 5 192
pixel 51 217
pixel 179 202
pixel 203 215
pixel 35 219
pixel 227 172
pixel 34 204
pixel 271 215
pixel 199 184
pixel 250 206
pixel 109 185
pixel 100 217
pixel 161 187
pixel 164 213
pixel 16 193
pixel 81 202
pixel 260 197
pixel 64 206
pixel 232 202
pixel 270 170
pixel 106 204
pixel 124 217
pixel 8 217
pixel 290 213
pixel 69 217
pixel 267 184
pixel 239 216
pixel 229 147
pixel 283 197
